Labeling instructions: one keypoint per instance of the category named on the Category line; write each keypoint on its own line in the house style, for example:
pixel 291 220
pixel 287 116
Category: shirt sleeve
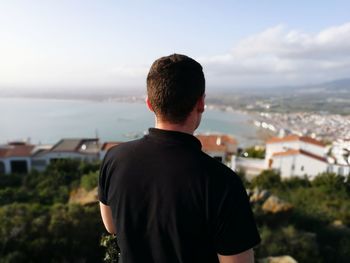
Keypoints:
pixel 104 179
pixel 234 229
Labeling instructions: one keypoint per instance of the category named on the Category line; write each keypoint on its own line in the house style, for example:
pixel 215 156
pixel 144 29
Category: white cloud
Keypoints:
pixel 279 56
pixel 276 56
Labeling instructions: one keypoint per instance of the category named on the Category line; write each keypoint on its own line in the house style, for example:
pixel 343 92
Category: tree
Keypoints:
pixel 89 181
pixel 267 179
pixel 254 152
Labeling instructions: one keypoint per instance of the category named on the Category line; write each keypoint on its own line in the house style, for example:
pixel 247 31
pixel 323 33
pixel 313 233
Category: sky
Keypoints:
pixel 105 43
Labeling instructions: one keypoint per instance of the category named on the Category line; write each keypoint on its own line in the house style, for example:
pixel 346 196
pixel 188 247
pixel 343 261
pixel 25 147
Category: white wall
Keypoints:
pixel 312 166
pixel 7 162
pixel 272 148
pixel 251 166
pixel 40 168
pixel 284 165
pixel 69 155
pixel 7 165
pixel 302 165
pixel 312 148
pixel 339 169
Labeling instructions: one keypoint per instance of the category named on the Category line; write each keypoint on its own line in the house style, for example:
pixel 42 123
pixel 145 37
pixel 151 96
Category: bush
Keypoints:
pixel 10 180
pixel 267 179
pixel 111 246
pixel 296 182
pixel 89 181
pixel 288 241
pixel 60 233
pixel 254 152
pixel 329 182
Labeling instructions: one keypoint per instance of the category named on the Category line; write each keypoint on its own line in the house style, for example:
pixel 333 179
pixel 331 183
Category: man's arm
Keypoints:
pixel 244 257
pixel 107 218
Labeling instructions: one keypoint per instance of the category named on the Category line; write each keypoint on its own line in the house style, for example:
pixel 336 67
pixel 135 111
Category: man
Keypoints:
pixel 164 198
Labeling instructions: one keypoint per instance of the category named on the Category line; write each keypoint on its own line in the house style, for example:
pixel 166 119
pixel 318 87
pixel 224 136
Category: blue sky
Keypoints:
pixel 112 43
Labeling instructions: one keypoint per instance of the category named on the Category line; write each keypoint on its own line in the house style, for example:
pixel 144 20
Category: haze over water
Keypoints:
pixel 49 120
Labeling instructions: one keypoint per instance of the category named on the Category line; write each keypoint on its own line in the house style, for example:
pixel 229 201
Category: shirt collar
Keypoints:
pixel 175 136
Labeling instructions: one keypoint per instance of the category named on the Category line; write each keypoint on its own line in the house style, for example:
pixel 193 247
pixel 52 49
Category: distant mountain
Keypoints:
pixel 339 84
pixel 328 97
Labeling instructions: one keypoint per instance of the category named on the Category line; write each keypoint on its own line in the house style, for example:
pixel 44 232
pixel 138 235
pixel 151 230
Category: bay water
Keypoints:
pixel 47 121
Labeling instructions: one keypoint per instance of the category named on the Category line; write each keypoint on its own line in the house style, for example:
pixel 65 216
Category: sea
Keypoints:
pixel 46 121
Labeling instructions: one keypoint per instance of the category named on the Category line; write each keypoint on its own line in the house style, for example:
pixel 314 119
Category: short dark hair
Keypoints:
pixel 174 85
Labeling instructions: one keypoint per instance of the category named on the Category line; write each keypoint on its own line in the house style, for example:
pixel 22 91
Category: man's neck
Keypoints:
pixel 174 127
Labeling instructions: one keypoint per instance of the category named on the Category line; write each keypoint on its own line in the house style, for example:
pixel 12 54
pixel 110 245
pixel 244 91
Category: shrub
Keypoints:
pixel 267 179
pixel 89 181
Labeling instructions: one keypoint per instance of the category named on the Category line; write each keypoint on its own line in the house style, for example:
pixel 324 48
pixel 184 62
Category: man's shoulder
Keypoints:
pixel 212 163
pixel 124 148
pixel 217 169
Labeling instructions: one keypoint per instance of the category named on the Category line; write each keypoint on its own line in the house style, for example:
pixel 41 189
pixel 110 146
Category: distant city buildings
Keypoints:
pixel 20 157
pixel 15 157
pixel 326 127
pixel 295 156
pixel 291 155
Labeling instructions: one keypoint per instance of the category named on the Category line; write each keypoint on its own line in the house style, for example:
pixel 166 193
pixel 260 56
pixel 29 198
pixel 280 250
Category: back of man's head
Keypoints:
pixel 174 85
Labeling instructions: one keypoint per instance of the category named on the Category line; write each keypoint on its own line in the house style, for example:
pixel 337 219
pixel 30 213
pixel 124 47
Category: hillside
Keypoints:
pixel 54 215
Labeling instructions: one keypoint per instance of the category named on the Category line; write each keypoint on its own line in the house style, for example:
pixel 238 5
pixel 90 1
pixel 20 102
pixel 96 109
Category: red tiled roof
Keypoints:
pixel 312 141
pixel 215 142
pixel 295 152
pixel 286 153
pixel 291 138
pixel 107 145
pixel 16 151
pixel 288 138
pixel 3 152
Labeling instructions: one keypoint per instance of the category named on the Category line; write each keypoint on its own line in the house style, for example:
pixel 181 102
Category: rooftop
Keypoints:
pixel 291 138
pixel 16 150
pixel 216 142
pixel 296 152
pixel 81 145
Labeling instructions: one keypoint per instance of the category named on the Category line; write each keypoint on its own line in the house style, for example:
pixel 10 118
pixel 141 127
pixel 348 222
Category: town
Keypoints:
pixel 292 155
pixel 325 127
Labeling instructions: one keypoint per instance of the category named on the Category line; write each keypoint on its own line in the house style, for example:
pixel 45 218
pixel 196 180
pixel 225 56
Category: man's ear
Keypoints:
pixel 201 104
pixel 148 103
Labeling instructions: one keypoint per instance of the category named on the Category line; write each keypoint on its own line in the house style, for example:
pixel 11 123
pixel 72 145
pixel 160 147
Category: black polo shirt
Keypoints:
pixel 173 203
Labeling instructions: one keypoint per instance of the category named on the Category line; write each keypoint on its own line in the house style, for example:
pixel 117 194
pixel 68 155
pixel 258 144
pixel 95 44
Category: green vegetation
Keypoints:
pixel 89 181
pixel 112 249
pixel 37 223
pixel 254 152
pixel 317 230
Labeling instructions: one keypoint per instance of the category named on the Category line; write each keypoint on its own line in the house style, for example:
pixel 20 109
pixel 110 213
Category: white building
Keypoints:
pixel 83 149
pixel 340 152
pixel 298 163
pixel 299 156
pixel 39 162
pixel 15 157
pixel 294 142
pixel 20 157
